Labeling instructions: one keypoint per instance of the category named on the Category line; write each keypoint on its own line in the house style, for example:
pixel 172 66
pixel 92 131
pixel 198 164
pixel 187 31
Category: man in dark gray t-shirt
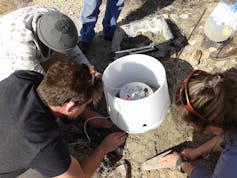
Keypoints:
pixel 29 106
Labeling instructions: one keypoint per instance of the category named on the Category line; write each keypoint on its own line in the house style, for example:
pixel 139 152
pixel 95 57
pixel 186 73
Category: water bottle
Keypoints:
pixel 222 22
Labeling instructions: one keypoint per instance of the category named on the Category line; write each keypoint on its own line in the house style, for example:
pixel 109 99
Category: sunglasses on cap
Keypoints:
pixel 184 94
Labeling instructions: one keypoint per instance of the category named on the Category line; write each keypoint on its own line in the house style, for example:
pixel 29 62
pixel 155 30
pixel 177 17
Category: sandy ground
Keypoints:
pixel 184 17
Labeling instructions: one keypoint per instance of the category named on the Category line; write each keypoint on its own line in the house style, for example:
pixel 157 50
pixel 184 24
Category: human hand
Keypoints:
pixel 170 160
pixel 190 153
pixel 211 145
pixel 94 72
pixel 112 141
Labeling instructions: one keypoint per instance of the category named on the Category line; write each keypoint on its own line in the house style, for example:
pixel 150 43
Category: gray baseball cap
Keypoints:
pixel 57 31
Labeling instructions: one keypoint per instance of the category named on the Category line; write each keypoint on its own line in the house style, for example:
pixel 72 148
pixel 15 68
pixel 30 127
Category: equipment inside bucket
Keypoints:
pixel 135 91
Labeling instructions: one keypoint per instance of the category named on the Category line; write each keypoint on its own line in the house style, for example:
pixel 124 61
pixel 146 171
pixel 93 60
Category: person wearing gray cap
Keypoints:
pixel 29 36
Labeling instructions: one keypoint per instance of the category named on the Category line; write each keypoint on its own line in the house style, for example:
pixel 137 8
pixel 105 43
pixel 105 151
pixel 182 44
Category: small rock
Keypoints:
pixel 211 49
pixel 192 42
pixel 166 16
pixel 174 17
pixel 184 16
pixel 197 55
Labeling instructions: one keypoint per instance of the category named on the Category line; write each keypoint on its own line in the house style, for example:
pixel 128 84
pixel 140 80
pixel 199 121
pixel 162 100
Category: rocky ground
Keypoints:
pixel 186 19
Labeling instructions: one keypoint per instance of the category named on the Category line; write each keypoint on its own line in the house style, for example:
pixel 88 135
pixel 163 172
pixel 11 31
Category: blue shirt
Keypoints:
pixel 226 166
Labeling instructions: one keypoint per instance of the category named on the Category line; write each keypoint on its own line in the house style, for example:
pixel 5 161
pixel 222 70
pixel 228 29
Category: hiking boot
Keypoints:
pixel 225 51
pixel 84 46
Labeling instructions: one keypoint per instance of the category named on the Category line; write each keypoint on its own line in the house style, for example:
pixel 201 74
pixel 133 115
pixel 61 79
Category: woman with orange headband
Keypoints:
pixel 209 103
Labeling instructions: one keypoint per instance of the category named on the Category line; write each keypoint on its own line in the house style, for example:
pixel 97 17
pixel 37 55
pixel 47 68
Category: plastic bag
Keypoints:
pixel 222 22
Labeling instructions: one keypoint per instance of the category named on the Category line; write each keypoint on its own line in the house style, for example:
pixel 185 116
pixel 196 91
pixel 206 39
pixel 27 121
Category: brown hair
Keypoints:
pixel 214 96
pixel 67 81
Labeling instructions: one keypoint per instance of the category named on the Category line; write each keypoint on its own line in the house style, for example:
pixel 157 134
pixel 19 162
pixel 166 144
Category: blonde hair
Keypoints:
pixel 214 97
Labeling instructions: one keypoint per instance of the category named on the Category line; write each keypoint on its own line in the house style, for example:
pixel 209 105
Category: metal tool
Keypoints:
pixel 157 47
pixel 154 162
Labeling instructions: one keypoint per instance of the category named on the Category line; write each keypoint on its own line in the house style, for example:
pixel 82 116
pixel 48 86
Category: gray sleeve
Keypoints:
pixel 77 55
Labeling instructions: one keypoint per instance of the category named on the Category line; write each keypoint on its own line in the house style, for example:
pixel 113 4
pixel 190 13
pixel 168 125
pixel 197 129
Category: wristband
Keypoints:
pixel 179 162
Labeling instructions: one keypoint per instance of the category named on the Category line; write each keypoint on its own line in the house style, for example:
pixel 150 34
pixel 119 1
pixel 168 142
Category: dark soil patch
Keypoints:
pixel 141 40
pixel 134 42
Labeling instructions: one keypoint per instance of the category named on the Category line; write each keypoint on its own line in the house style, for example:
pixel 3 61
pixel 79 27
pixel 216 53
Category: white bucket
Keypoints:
pixel 136 116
